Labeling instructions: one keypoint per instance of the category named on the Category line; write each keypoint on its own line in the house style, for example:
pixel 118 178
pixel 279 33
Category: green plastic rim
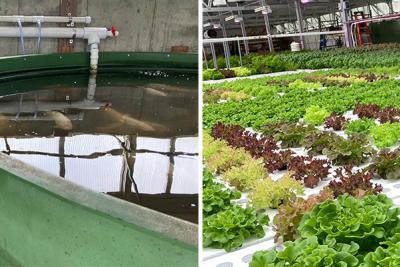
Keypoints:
pixel 33 65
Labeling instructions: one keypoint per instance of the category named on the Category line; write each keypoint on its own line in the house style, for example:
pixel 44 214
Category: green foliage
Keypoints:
pixel 359 126
pixel 244 176
pixel 385 135
pixel 234 96
pixel 216 197
pixel 387 255
pixel 386 164
pixel 271 107
pixel 289 215
pixel 241 71
pixel 219 157
pixel 268 193
pixel 365 221
pixel 300 84
pixel 315 115
pixel 354 150
pixel 235 165
pixel 212 74
pixel 214 95
pixel 376 57
pixel 211 146
pixel 230 228
pixel 290 134
pixel 307 253
pixel 367 57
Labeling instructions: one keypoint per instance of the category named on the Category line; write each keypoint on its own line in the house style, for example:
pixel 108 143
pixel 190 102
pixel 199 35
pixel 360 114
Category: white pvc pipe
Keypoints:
pixel 46 19
pixel 93 35
pixel 259 37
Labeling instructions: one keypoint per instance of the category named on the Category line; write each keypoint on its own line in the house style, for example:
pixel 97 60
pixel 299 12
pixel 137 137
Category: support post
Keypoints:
pixel 268 29
pixel 345 20
pixel 390 6
pixel 299 16
pixel 214 56
pixel 227 53
pixel 244 34
pixel 68 8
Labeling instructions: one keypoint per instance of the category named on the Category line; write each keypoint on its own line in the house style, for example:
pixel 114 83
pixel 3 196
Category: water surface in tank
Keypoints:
pixel 131 135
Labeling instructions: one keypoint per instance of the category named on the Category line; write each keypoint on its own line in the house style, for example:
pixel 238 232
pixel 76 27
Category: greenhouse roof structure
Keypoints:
pixel 281 11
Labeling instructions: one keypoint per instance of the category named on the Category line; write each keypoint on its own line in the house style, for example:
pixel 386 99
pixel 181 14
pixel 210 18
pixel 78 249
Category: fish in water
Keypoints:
pixel 168 88
pixel 61 121
pixel 128 120
pixel 156 92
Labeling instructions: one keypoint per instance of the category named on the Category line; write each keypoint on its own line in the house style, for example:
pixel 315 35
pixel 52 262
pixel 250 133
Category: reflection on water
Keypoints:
pixel 137 142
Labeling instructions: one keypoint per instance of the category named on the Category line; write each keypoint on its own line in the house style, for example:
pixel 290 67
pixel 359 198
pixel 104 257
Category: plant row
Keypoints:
pixel 364 57
pixel 264 103
pixel 347 231
pixel 238 169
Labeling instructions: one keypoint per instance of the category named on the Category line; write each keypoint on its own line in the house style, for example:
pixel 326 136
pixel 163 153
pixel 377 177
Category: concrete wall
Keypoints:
pixel 144 25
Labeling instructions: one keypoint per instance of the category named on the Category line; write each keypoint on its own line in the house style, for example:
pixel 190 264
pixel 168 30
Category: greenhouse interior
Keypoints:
pixel 301 131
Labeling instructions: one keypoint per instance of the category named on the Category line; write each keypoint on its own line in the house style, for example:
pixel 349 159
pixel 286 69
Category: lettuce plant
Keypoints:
pixel 308 252
pixel 227 158
pixel 289 215
pixel 359 126
pixel 385 135
pixel 357 184
pixel 386 164
pixel 230 228
pixel 241 71
pixel 214 95
pixel 354 150
pixel 388 254
pixel 274 160
pixel 366 110
pixel 216 197
pixel 300 84
pixel 310 171
pixel 366 221
pixel 389 114
pixel 290 134
pixel 268 193
pixel 212 74
pixel 238 137
pixel 315 115
pixel 243 177
pixel 335 122
pixel 316 143
pixel 233 96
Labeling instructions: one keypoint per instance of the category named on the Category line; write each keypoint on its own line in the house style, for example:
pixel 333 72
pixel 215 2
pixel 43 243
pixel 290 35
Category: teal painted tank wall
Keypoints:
pixel 39 228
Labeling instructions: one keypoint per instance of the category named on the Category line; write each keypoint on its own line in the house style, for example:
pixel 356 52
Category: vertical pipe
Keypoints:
pixel 345 20
pixel 319 24
pixel 226 45
pixel 21 36
pixel 390 6
pixel 299 16
pixel 170 177
pixel 268 28
pixel 205 58
pixel 61 154
pixel 214 56
pixel 240 54
pixel 244 33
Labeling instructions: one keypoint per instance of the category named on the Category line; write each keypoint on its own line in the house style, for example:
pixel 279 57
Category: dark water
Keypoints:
pixel 132 136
